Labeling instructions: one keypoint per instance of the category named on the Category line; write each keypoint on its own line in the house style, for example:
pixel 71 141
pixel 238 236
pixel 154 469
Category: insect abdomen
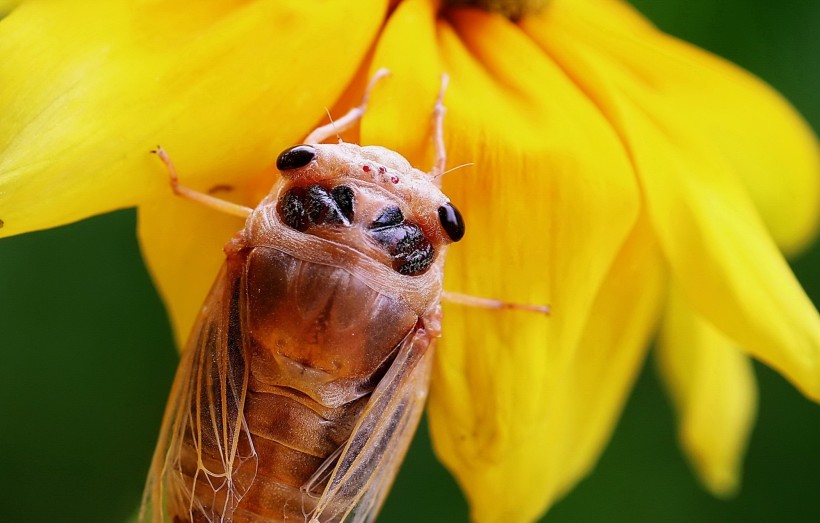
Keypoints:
pixel 316 341
pixel 292 441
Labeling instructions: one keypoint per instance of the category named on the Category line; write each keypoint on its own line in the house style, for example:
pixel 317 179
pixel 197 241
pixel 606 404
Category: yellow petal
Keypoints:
pixel 89 87
pixel 764 139
pixel 181 243
pixel 6 6
pixel 720 252
pixel 612 350
pixel 548 205
pixel 714 391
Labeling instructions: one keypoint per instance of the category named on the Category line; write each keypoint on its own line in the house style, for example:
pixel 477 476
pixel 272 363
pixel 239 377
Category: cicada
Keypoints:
pixel 306 372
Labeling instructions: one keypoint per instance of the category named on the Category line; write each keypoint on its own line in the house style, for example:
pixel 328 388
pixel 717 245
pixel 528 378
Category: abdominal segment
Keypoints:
pixel 314 343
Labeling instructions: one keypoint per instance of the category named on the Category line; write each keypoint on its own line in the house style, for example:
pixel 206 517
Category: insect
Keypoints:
pixel 306 372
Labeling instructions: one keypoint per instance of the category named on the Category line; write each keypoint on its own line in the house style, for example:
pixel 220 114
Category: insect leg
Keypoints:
pixel 487 303
pixel 324 132
pixel 199 197
pixel 438 130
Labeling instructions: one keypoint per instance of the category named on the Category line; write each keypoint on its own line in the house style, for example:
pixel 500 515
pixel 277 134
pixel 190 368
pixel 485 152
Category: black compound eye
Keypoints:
pixel 451 220
pixel 344 198
pixel 322 208
pixel 411 252
pixel 417 261
pixel 389 217
pixel 292 209
pixel 295 157
pixel 301 207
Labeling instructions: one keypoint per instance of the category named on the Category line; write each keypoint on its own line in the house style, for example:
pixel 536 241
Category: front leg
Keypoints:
pixel 205 199
pixel 347 121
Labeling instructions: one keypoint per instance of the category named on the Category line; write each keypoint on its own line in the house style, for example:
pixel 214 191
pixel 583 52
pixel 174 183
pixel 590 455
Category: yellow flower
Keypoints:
pixel 622 176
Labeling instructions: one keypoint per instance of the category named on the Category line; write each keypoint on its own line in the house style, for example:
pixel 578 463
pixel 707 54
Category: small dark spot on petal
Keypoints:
pixel 220 188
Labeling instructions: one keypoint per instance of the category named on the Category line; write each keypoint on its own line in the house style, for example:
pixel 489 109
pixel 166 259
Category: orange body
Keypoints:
pixel 306 373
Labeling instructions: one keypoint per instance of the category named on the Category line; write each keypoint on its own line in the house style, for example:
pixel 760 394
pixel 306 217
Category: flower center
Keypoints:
pixel 512 9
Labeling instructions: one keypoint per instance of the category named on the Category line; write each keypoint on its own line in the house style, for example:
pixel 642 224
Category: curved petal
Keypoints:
pixel 83 105
pixel 715 393
pixel 612 349
pixel 545 220
pixel 6 6
pixel 181 242
pixel 752 126
pixel 720 252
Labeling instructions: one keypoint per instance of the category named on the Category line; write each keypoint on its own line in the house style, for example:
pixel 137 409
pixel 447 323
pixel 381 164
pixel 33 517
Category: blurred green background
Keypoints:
pixel 88 357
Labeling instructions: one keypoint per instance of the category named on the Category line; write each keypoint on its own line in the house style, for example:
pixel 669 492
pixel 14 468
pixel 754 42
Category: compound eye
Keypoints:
pixel 451 221
pixel 389 217
pixel 295 157
pixel 345 199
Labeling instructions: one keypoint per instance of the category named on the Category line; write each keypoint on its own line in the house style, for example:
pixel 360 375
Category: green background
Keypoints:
pixel 87 357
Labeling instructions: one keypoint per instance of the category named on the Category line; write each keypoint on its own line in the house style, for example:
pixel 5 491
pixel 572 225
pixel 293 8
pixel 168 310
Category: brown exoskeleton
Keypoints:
pixel 305 375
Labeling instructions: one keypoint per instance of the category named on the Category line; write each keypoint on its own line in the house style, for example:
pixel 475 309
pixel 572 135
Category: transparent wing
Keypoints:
pixel 204 461
pixel 367 465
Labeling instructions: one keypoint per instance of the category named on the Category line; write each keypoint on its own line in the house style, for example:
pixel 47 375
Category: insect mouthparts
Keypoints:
pixel 295 157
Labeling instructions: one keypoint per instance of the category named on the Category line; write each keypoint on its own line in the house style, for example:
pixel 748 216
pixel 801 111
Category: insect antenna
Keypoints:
pixel 333 124
pixel 451 169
